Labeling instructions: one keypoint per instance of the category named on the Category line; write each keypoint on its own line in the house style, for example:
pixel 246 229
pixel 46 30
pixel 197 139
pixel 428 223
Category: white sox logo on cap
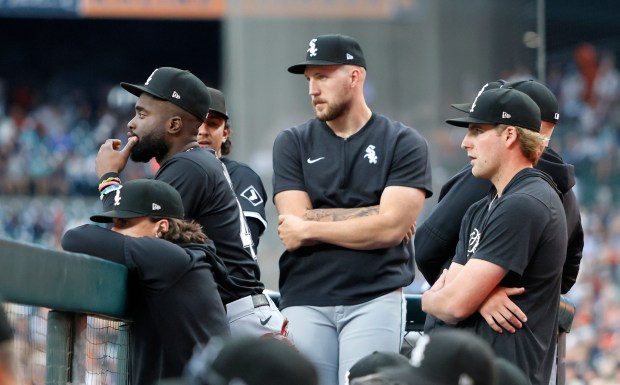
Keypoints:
pixel 150 77
pixel 473 105
pixel 117 196
pixel 312 50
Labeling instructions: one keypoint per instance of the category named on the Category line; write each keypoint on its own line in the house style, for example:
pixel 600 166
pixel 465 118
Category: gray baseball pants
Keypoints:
pixel 336 337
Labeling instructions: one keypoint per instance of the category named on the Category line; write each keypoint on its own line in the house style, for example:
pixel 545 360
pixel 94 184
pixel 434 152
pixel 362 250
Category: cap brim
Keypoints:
pixel 138 90
pixel 219 113
pixel 464 107
pixel 299 69
pixel 466 121
pixel 109 215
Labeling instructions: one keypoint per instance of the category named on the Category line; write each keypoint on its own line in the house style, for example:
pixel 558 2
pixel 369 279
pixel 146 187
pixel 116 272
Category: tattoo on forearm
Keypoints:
pixel 336 215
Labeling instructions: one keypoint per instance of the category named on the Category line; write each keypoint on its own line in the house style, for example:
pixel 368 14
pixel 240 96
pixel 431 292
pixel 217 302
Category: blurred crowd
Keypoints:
pixel 49 138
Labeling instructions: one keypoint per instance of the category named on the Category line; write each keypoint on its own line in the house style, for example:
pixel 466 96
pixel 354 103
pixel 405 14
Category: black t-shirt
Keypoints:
pixel 436 238
pixel 347 173
pixel 251 195
pixel 208 198
pixel 173 299
pixel 523 231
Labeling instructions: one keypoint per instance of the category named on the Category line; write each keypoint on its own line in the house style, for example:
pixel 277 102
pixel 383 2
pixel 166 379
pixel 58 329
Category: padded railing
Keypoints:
pixel 73 285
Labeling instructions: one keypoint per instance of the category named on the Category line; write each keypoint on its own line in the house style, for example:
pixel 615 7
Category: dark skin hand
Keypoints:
pixel 111 157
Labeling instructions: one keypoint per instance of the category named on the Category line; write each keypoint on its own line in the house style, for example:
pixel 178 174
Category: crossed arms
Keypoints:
pixel 464 289
pixel 366 228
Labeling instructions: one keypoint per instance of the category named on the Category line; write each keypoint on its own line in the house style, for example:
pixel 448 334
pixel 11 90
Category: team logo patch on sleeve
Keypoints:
pixel 252 195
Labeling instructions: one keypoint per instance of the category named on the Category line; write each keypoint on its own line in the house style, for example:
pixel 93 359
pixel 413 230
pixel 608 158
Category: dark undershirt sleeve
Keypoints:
pixel 574 250
pixel 256 228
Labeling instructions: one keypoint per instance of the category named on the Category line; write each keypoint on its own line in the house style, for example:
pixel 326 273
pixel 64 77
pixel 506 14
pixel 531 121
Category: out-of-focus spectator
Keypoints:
pixel 8 365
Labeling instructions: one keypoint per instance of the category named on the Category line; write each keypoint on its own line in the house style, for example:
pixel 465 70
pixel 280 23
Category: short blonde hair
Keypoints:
pixel 532 143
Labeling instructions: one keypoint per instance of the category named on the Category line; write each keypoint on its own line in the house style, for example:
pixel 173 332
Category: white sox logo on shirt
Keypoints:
pixel 252 195
pixel 312 50
pixel 117 197
pixel 371 155
pixel 474 240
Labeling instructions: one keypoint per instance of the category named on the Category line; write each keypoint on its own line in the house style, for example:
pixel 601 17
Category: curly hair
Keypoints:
pixel 226 146
pixel 183 231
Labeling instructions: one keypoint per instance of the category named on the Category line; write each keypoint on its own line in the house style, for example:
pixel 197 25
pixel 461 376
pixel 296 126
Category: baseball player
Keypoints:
pixel 171 105
pixel 515 237
pixel 215 133
pixel 348 186
pixel 173 298
pixel 436 238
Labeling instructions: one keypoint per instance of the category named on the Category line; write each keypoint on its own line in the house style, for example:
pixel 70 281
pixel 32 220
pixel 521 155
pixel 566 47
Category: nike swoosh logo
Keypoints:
pixel 310 161
pixel 265 321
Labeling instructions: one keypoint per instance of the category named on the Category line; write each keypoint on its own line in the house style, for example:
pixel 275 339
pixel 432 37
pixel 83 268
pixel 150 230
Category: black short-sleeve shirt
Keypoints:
pixel 347 173
pixel 208 197
pixel 523 231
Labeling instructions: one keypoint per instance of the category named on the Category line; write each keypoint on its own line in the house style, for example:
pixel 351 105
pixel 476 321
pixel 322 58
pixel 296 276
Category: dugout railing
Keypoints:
pixel 74 286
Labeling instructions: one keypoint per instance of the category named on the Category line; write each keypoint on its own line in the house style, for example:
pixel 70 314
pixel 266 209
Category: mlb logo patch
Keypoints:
pixel 252 195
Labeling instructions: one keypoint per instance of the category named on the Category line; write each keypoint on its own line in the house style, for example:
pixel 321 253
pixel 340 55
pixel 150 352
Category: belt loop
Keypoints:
pixel 259 300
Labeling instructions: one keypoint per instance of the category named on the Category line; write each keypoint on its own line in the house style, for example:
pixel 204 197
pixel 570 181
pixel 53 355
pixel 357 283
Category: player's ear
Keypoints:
pixel 511 134
pixel 175 124
pixel 355 76
pixel 163 225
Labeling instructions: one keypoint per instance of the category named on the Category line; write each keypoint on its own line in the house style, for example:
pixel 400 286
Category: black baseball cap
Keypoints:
pixel 179 87
pixel 371 363
pixel 509 373
pixel 465 107
pixel 542 96
pixel 331 49
pixel 144 198
pixel 447 357
pixel 249 360
pixel 218 102
pixel 502 106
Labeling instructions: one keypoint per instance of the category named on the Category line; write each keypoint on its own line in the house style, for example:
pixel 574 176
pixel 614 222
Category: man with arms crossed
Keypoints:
pixel 436 238
pixel 514 237
pixel 348 186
